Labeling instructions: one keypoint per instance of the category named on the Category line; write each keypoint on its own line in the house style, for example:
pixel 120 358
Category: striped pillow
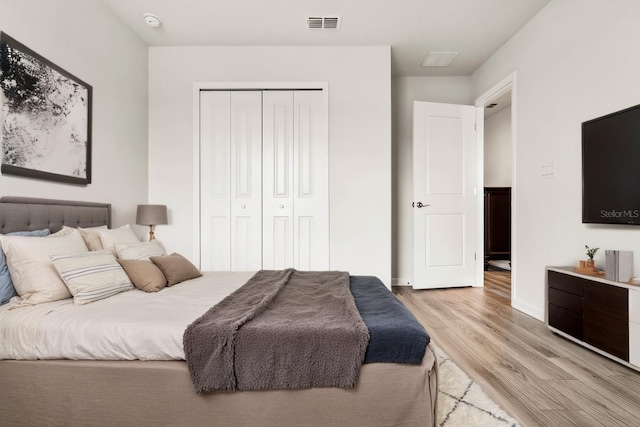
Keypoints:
pixel 140 251
pixel 91 276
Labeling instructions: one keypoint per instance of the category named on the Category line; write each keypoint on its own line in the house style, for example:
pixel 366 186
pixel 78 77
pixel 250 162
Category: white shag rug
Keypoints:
pixel 461 401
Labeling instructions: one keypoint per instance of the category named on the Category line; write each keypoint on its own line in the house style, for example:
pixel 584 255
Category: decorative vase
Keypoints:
pixel 591 264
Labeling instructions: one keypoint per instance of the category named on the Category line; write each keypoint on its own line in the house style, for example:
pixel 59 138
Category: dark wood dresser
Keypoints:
pixel 497 223
pixel 600 314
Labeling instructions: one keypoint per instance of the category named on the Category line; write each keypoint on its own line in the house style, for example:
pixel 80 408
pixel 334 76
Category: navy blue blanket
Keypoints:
pixel 395 334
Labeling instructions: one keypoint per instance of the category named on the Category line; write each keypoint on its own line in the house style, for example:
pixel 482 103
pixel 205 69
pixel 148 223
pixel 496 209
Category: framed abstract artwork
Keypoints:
pixel 45 116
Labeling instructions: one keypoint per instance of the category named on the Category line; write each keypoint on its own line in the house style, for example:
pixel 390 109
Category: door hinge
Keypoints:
pixel 475 126
pixel 475 256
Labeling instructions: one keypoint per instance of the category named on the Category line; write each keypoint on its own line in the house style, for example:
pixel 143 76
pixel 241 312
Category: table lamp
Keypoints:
pixel 151 215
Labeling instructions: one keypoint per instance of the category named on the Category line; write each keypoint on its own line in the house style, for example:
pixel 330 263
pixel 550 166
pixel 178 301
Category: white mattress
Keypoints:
pixel 127 326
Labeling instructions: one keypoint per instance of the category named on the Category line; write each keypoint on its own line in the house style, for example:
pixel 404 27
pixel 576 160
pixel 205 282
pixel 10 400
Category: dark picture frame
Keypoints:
pixel 46 117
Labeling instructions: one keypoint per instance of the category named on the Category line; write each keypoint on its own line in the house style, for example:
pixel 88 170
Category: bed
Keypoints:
pixel 160 392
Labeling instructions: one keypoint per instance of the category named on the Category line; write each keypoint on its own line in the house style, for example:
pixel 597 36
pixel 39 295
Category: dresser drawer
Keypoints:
pixel 611 296
pixel 610 337
pixel 598 311
pixel 566 300
pixel 565 320
pixel 566 283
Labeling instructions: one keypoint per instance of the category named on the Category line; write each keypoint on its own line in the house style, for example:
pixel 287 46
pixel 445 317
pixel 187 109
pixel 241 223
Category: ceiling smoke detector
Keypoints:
pixel 324 22
pixel 152 20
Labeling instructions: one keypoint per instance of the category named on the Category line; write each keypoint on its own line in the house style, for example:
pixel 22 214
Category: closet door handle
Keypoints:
pixel 419 205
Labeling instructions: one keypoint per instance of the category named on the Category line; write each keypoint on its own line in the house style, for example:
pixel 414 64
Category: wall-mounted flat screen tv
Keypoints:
pixel 611 168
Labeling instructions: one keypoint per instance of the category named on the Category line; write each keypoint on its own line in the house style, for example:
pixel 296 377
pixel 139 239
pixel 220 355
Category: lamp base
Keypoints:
pixel 151 234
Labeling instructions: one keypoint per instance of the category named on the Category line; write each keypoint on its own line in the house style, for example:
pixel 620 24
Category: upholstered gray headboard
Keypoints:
pixel 26 213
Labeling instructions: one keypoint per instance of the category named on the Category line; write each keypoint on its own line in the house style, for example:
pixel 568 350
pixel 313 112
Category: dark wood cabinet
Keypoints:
pixel 497 223
pixel 590 311
pixel 566 303
pixel 606 318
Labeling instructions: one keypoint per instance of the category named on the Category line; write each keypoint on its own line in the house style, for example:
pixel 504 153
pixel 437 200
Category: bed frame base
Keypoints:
pixel 151 393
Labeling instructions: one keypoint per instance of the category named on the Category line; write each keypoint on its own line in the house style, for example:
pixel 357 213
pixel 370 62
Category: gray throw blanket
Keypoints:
pixel 282 329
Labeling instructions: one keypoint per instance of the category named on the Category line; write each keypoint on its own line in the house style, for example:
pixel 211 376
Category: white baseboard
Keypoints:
pixel 401 281
pixel 532 311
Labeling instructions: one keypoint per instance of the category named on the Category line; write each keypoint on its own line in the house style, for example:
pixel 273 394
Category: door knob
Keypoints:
pixel 419 205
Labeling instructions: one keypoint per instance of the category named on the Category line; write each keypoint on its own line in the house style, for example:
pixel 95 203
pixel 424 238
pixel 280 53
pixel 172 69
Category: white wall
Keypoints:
pixel 84 38
pixel 575 60
pixel 451 90
pixel 497 149
pixel 359 138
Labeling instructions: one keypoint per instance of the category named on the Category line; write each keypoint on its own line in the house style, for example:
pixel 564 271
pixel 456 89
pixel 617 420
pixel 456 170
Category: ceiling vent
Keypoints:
pixel 439 59
pixel 324 22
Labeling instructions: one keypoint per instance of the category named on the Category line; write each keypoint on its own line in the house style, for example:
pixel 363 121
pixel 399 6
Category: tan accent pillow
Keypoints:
pixel 145 275
pixel 89 235
pixel 176 268
pixel 92 237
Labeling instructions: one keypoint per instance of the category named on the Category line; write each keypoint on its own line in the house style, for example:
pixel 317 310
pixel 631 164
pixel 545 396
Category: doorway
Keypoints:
pixel 496 107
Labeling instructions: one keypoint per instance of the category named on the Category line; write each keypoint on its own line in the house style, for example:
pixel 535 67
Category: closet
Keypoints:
pixel 264 180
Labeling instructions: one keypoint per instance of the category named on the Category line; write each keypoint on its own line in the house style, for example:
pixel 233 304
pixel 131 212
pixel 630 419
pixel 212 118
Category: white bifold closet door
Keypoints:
pixel 230 180
pixel 264 180
pixel 295 226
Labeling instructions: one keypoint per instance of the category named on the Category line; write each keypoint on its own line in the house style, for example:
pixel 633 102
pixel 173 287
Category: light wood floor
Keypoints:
pixel 539 378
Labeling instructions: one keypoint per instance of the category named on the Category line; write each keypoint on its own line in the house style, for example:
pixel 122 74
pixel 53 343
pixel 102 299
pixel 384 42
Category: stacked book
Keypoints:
pixel 618 265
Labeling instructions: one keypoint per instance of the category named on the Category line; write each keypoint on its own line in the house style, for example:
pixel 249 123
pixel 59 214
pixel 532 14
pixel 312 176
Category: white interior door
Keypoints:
pixel 231 180
pixel 444 186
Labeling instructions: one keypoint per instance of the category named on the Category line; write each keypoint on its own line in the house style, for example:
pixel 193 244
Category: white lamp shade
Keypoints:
pixel 151 214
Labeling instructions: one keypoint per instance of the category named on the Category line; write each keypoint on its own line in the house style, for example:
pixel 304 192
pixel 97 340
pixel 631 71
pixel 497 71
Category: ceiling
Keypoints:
pixel 475 28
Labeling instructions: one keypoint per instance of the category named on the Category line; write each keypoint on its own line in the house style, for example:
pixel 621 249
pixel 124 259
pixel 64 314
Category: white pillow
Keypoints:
pixel 64 231
pixel 141 251
pixel 91 276
pixel 117 235
pixel 32 272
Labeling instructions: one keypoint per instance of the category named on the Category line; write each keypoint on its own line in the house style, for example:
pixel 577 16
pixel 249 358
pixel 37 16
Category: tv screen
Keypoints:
pixel 611 168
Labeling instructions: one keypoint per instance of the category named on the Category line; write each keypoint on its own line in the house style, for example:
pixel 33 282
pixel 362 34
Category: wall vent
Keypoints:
pixel 324 22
